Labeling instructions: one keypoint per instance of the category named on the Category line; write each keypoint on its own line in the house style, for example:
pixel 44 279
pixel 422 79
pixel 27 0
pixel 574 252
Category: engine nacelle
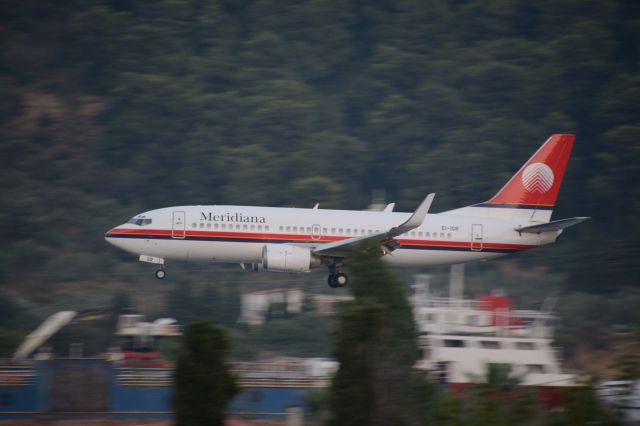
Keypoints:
pixel 287 258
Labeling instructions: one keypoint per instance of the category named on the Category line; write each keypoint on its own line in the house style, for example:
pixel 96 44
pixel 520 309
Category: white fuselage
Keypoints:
pixel 237 234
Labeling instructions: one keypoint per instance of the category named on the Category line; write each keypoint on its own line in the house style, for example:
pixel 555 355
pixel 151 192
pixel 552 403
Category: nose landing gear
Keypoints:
pixel 160 273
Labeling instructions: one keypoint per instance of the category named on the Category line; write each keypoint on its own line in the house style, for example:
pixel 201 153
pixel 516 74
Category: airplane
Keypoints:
pixel 297 240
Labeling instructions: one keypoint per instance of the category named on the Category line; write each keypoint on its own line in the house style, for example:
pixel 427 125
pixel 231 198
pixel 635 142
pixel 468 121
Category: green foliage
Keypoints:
pixel 582 407
pixel 376 348
pixel 15 323
pixel 628 366
pixel 291 103
pixel 9 342
pixel 497 399
pixel 306 336
pixel 219 303
pixel 202 383
pixel 110 108
pixel 353 399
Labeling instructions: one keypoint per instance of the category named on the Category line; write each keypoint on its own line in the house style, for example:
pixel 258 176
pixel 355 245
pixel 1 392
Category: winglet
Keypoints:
pixel 418 216
pixel 342 248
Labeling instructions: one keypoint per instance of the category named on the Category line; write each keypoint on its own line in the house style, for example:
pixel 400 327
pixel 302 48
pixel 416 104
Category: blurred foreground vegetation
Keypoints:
pixel 110 108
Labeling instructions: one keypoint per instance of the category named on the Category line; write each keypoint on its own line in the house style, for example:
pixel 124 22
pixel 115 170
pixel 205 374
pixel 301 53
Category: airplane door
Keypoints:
pixel 476 237
pixel 178 229
pixel 316 232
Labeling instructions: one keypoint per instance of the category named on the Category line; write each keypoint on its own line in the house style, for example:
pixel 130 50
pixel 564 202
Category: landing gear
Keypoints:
pixel 160 273
pixel 338 280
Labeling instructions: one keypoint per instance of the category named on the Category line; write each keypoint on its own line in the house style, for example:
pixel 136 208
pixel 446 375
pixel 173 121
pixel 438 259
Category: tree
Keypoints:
pixel 376 347
pixel 203 384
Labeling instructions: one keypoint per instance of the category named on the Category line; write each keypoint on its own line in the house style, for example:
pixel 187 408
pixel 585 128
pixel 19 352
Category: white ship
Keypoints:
pixel 459 337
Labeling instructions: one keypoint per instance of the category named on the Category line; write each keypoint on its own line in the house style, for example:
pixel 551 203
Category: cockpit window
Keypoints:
pixel 140 221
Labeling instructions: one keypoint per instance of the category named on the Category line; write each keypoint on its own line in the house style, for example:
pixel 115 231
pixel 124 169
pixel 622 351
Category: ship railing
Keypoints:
pixel 558 354
pixel 17 375
pixel 279 366
pixel 145 376
pixel 446 302
pixel 288 382
pixel 268 374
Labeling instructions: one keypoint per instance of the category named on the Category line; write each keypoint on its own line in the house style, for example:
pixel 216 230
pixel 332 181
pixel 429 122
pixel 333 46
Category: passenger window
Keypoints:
pixel 442 235
pixel 281 229
pixel 238 226
pixel 363 232
pixel 223 226
pixel 324 231
pixel 427 235
pixel 266 228
pixel 216 226
pixel 420 234
pixel 295 229
pixel 449 235
pixel 245 227
pixel 333 231
pixel 308 229
pixel 201 225
pixel 253 227
pixel 348 231
pixel 194 225
pixel 208 226
pixel 259 227
pixel 340 231
pixel 288 229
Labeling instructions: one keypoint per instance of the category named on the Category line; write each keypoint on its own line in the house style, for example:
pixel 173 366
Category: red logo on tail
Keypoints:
pixel 537 183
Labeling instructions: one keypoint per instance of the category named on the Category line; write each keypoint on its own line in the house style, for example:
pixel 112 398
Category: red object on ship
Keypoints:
pixel 501 308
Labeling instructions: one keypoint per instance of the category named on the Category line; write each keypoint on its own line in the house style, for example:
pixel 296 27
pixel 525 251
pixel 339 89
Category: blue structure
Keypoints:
pixel 96 388
pixel 18 392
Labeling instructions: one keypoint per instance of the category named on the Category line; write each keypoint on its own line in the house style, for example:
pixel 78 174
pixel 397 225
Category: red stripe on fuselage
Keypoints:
pixel 308 238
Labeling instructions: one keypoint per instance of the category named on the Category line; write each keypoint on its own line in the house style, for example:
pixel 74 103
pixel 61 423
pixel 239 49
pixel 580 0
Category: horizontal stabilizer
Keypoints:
pixel 555 225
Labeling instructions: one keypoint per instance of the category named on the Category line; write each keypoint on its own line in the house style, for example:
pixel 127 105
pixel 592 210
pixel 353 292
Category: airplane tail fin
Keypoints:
pixel 532 192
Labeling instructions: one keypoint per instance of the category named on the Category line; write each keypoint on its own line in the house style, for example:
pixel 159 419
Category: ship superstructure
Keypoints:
pixel 460 337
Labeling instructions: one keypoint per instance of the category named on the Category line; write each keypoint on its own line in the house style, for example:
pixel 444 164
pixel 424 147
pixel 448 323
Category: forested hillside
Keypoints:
pixel 109 108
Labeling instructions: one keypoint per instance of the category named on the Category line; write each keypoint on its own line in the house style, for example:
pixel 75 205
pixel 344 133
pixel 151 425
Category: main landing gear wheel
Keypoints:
pixel 338 280
pixel 160 274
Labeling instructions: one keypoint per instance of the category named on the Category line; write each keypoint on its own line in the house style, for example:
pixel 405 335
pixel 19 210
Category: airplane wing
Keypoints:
pixel 554 225
pixel 344 248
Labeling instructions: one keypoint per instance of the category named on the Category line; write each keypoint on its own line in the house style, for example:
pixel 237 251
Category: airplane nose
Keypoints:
pixel 112 237
pixel 109 235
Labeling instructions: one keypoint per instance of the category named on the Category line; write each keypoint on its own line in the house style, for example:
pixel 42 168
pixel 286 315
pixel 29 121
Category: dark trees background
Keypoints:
pixel 375 344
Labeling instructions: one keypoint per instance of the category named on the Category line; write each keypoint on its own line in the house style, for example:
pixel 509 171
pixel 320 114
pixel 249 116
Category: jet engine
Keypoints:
pixel 288 258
